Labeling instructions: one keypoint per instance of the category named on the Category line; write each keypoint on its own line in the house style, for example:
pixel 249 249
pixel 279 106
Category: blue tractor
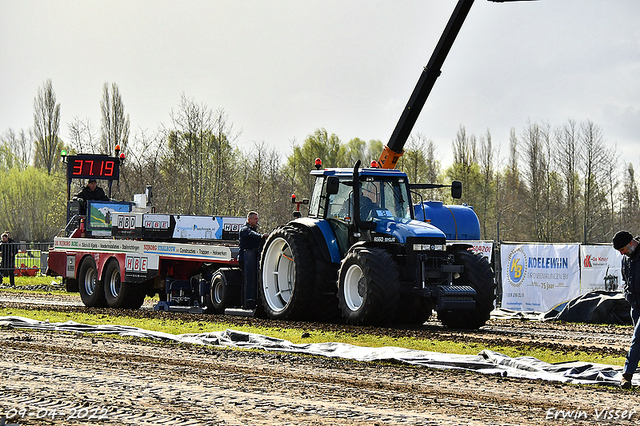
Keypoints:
pixel 361 254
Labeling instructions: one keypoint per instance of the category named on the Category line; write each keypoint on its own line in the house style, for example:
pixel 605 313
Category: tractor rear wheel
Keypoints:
pixel 479 275
pixel 286 288
pixel 369 286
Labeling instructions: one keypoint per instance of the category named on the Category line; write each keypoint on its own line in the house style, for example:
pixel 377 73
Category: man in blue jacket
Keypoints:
pixel 250 238
pixel 250 242
pixel 624 242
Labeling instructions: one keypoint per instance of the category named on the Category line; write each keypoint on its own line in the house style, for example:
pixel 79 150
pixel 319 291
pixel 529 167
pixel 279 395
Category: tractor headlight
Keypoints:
pixel 429 247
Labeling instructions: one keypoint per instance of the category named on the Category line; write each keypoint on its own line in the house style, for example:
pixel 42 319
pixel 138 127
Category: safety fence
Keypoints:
pixel 24 258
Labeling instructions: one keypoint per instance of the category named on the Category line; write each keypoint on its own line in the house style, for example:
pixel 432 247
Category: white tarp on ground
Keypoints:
pixel 537 277
pixel 486 361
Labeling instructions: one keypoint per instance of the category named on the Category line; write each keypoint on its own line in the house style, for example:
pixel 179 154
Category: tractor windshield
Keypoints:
pixel 383 198
pixel 380 198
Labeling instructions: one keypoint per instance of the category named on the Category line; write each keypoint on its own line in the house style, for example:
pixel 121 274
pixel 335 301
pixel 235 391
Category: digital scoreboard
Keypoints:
pixel 93 166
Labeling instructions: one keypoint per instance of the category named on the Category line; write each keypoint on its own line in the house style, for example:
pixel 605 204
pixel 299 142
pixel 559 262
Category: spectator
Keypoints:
pixel 624 242
pixel 8 250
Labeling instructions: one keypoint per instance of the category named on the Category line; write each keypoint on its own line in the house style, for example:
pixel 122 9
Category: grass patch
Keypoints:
pixel 295 335
pixel 37 280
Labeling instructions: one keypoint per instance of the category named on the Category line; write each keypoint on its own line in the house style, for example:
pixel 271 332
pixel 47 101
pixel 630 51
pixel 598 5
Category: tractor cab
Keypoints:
pixel 378 209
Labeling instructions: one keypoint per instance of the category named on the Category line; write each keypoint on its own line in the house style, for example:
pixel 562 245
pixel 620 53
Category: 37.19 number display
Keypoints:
pixel 93 166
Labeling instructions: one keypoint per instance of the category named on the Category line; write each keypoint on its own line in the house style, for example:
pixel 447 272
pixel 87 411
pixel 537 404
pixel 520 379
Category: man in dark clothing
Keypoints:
pixel 250 238
pixel 91 192
pixel 250 242
pixel 9 249
pixel 624 242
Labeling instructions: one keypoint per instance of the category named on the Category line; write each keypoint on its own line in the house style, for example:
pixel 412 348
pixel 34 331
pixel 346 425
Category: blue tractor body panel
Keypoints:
pixel 403 228
pixel 327 234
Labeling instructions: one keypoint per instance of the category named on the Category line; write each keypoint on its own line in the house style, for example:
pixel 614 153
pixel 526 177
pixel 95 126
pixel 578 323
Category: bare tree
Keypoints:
pixel 568 159
pixel 488 180
pixel 594 160
pixel 533 151
pixel 46 125
pixel 611 184
pixel 630 202
pixel 82 136
pixel 413 162
pixel 15 149
pixel 115 124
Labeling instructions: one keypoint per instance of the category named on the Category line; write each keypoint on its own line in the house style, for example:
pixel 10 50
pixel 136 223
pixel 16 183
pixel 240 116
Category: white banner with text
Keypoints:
pixel 600 267
pixel 538 277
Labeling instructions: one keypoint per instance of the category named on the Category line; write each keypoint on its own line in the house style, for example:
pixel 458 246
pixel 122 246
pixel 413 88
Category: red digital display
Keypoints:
pixel 94 166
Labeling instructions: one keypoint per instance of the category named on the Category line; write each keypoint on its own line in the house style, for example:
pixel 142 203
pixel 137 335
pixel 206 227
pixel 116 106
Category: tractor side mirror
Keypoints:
pixel 332 185
pixel 456 189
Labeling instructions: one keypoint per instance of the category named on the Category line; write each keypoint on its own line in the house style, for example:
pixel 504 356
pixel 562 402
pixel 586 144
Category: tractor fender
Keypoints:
pixel 324 236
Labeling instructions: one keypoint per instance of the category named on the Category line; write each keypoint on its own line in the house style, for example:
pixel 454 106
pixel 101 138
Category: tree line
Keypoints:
pixel 560 183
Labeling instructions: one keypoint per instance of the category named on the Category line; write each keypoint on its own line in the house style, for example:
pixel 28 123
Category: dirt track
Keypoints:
pixel 60 376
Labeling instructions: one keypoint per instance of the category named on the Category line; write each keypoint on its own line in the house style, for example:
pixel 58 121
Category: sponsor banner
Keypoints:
pixel 207 227
pixel 600 269
pixel 196 227
pixel 205 252
pixel 101 213
pixel 538 277
pixel 484 247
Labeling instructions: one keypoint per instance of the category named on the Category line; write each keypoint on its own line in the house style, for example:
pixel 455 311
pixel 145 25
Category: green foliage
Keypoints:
pixel 318 145
pixel 32 203
pixel 8 159
pixel 556 185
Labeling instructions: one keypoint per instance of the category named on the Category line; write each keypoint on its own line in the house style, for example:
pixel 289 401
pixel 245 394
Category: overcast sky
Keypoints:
pixel 282 68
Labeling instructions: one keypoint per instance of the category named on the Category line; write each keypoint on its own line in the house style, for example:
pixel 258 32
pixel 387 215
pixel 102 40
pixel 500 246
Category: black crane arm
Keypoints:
pixel 393 151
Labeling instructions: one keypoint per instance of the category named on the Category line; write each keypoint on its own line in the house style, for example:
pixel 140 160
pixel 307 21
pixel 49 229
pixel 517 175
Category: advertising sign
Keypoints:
pixel 600 269
pixel 207 227
pixel 538 277
pixel 484 247
pixel 101 213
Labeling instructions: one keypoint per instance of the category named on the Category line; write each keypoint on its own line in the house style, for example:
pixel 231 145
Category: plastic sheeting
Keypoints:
pixel 486 361
pixel 596 307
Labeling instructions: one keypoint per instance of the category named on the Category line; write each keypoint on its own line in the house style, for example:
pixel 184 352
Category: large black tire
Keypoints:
pixel 225 291
pixel 479 275
pixel 325 281
pixel 369 288
pixel 89 286
pixel 119 294
pixel 287 269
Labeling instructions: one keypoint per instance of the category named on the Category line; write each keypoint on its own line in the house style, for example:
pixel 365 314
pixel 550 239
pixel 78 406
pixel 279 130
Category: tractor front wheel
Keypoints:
pixel 369 286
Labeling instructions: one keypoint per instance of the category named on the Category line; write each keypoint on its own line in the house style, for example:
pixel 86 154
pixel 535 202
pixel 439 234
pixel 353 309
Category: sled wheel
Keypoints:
pixel 90 288
pixel 121 294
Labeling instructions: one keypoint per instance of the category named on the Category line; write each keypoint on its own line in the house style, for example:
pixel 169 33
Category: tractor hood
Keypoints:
pixel 403 228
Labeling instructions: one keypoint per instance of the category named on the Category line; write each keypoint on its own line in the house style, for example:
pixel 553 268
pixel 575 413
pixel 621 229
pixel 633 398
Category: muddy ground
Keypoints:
pixel 64 379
